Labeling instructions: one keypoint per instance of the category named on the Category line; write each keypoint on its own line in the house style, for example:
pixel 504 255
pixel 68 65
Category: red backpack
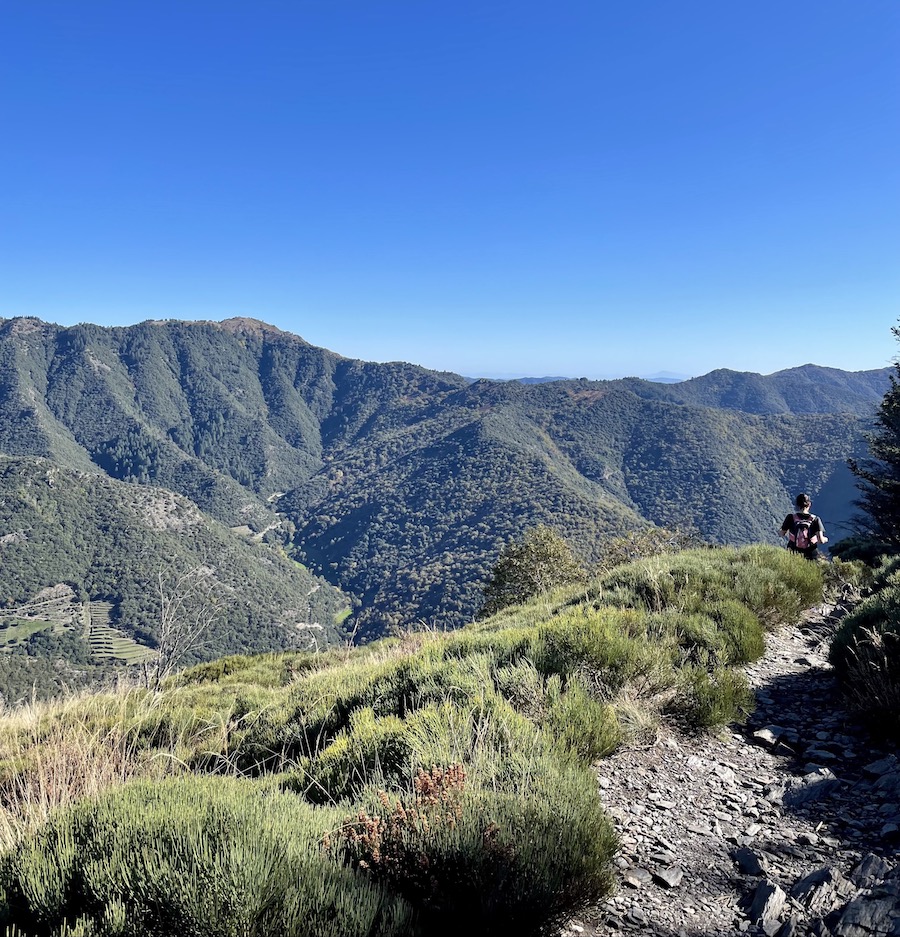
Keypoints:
pixel 799 535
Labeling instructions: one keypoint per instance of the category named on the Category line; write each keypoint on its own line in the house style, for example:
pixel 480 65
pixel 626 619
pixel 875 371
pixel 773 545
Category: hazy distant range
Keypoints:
pixel 662 377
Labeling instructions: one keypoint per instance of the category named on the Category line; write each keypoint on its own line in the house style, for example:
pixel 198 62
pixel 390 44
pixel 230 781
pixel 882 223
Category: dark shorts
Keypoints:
pixel 810 552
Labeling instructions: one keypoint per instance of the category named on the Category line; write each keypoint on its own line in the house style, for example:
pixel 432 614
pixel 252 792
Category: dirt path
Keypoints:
pixel 790 824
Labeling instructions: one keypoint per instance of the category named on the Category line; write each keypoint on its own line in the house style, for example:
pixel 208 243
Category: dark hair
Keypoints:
pixel 802 500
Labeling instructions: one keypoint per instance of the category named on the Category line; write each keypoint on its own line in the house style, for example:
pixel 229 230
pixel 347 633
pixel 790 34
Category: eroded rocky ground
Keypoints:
pixel 788 825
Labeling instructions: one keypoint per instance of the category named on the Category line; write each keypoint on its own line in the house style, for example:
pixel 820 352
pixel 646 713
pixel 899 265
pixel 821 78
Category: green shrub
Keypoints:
pixel 777 585
pixel 582 724
pixel 192 858
pixel 707 699
pixel 501 749
pixel 522 685
pixel 612 644
pixel 371 751
pixel 842 575
pixel 886 572
pixel 486 862
pixel 740 629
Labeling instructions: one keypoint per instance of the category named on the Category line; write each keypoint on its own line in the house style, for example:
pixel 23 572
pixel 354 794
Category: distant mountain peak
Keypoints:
pixel 24 325
pixel 666 377
pixel 247 325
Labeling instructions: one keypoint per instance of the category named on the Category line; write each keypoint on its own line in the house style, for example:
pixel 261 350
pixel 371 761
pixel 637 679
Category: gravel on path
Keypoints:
pixel 787 825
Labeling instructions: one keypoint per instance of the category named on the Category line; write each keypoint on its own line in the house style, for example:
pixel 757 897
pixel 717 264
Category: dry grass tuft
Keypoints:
pixel 872 672
pixel 55 753
pixel 639 718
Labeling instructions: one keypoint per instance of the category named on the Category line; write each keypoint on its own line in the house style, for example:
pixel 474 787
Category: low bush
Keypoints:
pixel 370 751
pixel 712 698
pixel 742 633
pixel 485 862
pixel 581 723
pixel 611 644
pixel 191 858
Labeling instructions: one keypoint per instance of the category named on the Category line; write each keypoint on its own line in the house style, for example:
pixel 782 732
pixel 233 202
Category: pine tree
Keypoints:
pixel 540 561
pixel 879 476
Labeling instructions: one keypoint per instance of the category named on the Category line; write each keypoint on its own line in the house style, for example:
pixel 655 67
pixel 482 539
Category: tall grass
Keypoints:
pixel 865 651
pixel 55 753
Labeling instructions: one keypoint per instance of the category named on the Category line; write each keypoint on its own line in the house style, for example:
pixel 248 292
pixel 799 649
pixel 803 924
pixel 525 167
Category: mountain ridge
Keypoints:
pixel 399 483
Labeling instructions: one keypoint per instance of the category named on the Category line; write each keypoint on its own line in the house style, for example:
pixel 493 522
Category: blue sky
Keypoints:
pixel 579 188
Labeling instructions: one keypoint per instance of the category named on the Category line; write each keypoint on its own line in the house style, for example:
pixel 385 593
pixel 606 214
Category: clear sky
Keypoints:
pixel 590 188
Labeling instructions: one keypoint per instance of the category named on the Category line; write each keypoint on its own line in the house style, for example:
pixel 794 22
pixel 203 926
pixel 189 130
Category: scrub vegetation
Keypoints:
pixel 431 783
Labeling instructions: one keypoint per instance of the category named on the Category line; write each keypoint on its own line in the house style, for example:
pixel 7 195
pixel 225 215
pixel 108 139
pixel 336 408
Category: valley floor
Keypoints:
pixel 788 825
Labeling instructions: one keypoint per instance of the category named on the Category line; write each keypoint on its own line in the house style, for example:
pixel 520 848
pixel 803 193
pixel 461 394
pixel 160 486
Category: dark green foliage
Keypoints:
pixel 191 858
pixel 537 563
pixel 879 475
pixel 24 676
pixel 858 548
pixel 370 752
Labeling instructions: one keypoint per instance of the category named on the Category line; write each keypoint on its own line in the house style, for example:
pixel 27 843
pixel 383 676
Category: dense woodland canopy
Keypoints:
pixel 397 484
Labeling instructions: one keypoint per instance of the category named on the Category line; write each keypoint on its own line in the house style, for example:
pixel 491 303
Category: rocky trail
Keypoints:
pixel 789 825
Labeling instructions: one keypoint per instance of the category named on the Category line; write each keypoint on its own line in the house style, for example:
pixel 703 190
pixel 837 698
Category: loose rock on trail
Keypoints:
pixel 789 825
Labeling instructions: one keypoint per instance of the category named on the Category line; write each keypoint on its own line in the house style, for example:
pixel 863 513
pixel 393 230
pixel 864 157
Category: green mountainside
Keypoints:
pixel 400 484
pixel 80 557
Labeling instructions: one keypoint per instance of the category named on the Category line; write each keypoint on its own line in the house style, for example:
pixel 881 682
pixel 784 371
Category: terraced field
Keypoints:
pixel 108 643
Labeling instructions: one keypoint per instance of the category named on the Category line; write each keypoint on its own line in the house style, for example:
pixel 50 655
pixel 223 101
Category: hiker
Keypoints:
pixel 803 529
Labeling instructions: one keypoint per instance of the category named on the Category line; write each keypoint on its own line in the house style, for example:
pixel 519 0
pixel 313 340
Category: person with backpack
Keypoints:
pixel 803 529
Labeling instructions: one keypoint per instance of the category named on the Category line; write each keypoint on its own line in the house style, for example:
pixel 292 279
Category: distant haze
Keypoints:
pixel 663 377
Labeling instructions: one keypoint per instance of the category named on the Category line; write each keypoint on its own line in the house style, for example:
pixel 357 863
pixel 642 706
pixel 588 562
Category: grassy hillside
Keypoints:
pixel 79 559
pixel 437 784
pixel 402 484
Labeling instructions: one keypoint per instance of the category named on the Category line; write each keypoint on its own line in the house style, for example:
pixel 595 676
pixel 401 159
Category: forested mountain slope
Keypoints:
pixel 399 483
pixel 71 540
